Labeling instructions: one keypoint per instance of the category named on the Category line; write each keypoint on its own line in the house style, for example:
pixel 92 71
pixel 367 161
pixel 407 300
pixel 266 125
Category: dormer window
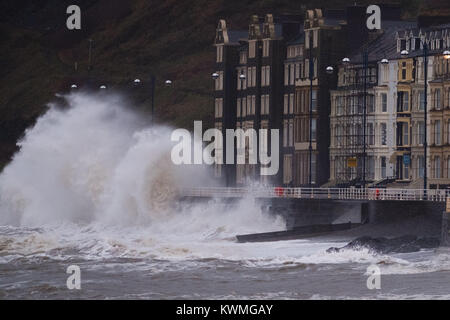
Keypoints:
pixel 417 43
pixel 402 44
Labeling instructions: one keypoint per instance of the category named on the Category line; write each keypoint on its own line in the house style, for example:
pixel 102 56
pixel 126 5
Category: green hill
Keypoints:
pixel 170 38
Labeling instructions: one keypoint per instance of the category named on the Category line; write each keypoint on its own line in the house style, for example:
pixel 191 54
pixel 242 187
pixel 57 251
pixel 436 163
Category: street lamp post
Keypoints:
pixel 137 82
pixel 243 78
pixel 365 56
pixel 405 53
pixel 365 60
pixel 311 76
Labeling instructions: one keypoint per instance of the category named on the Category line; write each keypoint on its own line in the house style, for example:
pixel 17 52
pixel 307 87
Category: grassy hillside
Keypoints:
pixel 171 38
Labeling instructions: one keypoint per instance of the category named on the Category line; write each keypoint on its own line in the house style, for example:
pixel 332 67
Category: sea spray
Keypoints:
pixel 96 161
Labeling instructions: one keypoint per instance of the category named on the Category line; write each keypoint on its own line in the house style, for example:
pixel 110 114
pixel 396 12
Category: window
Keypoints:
pixel 383 130
pixel 448 167
pixel 448 132
pixel 265 104
pixel 315 38
pixel 406 171
pixel 383 102
pixel 421 131
pixel 307 75
pixel 285 133
pixel 437 99
pixel 244 107
pixel 253 76
pixel 313 168
pixel 402 45
pixel 219 57
pixel 314 130
pixel 238 107
pixel 266 48
pixel 253 105
pixel 403 71
pixel 371 134
pixel 291 74
pixel 265 76
pixel 291 133
pixel 437 167
pixel 286 104
pixel 314 100
pixel 286 74
pixel 406 101
pixel 243 57
pixel 291 103
pixel 241 84
pixel 421 100
pixel 448 95
pixel 405 134
pixel 421 166
pixel 437 132
pixel 287 166
pixel 315 68
pixel 383 167
pixel 218 83
pixel 252 49
pixel 218 107
pixel 385 72
pixel 402 101
pixel 371 167
pixel 402 134
pixel 370 104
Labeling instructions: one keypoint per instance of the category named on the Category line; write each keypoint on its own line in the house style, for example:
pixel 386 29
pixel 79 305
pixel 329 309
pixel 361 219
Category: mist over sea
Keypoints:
pixel 93 186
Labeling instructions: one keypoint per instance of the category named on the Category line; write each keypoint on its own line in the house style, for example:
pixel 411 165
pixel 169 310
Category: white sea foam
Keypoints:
pixel 95 177
pixel 93 181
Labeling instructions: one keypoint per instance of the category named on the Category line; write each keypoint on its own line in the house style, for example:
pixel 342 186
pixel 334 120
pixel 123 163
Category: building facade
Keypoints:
pixel 255 98
pixel 273 76
pixel 324 43
pixel 396 152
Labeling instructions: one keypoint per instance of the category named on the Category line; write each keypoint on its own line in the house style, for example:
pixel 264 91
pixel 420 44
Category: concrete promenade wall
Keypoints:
pixel 380 218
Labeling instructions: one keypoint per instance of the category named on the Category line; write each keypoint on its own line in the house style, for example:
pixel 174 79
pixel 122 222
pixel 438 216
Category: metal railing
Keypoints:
pixel 321 193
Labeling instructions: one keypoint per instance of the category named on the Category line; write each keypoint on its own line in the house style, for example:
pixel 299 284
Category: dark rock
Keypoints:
pixel 404 244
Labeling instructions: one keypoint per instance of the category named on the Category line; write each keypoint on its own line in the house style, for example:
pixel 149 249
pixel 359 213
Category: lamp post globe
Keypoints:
pixel 447 54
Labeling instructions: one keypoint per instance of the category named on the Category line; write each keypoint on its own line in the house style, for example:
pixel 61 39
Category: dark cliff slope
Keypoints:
pixel 170 38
